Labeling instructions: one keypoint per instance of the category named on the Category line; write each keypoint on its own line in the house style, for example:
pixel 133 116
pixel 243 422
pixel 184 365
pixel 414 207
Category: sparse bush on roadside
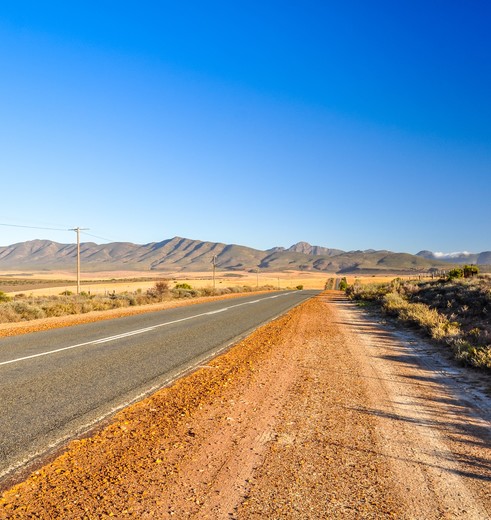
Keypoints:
pixel 470 271
pixel 159 291
pixel 329 285
pixel 435 324
pixel 299 287
pixel 455 273
pixel 470 354
pixel 183 286
pixel 8 314
pixel 28 310
pixel 184 293
pixel 343 284
pixel 369 292
pixel 208 291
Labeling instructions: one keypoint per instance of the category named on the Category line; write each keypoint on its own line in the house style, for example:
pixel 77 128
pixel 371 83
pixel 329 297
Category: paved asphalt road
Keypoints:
pixel 57 384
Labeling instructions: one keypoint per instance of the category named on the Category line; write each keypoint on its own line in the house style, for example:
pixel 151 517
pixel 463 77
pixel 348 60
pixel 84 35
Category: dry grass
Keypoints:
pixel 21 308
pixel 453 312
pixel 103 283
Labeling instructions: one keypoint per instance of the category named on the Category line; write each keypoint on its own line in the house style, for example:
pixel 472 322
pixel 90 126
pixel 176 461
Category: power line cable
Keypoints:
pixel 95 236
pixel 29 222
pixel 35 227
pixel 57 229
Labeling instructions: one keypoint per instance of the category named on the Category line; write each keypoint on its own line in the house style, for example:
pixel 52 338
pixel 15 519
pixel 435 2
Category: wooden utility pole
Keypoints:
pixel 77 230
pixel 214 262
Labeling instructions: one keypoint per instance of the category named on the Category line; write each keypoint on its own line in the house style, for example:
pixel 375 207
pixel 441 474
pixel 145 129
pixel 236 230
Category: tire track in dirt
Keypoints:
pixel 376 433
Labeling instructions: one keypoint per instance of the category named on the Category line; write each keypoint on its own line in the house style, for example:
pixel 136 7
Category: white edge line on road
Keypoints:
pixel 135 332
pixel 88 426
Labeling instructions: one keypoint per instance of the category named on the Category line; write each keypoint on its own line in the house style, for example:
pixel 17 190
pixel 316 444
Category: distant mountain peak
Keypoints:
pixel 307 249
pixel 301 247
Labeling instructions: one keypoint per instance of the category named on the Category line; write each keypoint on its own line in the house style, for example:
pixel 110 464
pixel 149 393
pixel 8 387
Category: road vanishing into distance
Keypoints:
pixel 57 384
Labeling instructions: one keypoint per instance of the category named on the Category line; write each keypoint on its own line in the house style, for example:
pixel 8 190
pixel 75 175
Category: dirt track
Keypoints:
pixel 320 414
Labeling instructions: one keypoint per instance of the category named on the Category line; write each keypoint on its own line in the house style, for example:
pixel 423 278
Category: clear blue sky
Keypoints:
pixel 347 124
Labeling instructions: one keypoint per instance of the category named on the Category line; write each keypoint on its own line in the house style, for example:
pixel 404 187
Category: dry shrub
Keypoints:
pixel 8 314
pixel 471 355
pixel 160 291
pixel 28 310
pixel 435 324
pixel 368 292
pixel 435 307
pixel 209 291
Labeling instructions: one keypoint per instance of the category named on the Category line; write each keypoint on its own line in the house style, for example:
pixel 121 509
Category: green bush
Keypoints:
pixel 479 357
pixel 455 273
pixel 343 284
pixel 299 287
pixel 182 292
pixel 183 286
pixel 4 297
pixel 470 271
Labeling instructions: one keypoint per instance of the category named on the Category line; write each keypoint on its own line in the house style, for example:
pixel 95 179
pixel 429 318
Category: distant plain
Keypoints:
pixel 49 283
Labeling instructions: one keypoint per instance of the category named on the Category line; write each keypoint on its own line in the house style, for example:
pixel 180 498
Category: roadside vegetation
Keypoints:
pixel 23 307
pixel 455 311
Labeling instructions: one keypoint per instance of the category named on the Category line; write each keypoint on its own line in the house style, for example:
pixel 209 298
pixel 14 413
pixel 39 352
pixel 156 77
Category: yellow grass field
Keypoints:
pixel 129 281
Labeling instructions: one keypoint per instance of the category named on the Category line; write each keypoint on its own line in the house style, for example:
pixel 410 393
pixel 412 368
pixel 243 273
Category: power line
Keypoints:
pixel 95 236
pixel 57 229
pixel 30 222
pixel 35 227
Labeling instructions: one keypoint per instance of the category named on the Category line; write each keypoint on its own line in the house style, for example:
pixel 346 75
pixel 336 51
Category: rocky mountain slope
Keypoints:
pixel 182 254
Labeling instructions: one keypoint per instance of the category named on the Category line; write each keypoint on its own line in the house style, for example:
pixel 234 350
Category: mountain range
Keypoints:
pixel 182 254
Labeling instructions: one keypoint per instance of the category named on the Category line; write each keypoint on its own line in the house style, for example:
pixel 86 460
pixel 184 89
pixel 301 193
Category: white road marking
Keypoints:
pixel 135 332
pixel 86 427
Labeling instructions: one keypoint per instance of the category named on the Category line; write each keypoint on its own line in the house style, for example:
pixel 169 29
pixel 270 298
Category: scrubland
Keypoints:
pixel 53 283
pixel 453 312
pixel 22 307
pixel 29 296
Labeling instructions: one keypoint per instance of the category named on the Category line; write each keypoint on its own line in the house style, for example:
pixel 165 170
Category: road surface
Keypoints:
pixel 57 384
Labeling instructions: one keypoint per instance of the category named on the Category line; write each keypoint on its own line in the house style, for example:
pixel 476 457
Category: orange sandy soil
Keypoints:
pixel 299 421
